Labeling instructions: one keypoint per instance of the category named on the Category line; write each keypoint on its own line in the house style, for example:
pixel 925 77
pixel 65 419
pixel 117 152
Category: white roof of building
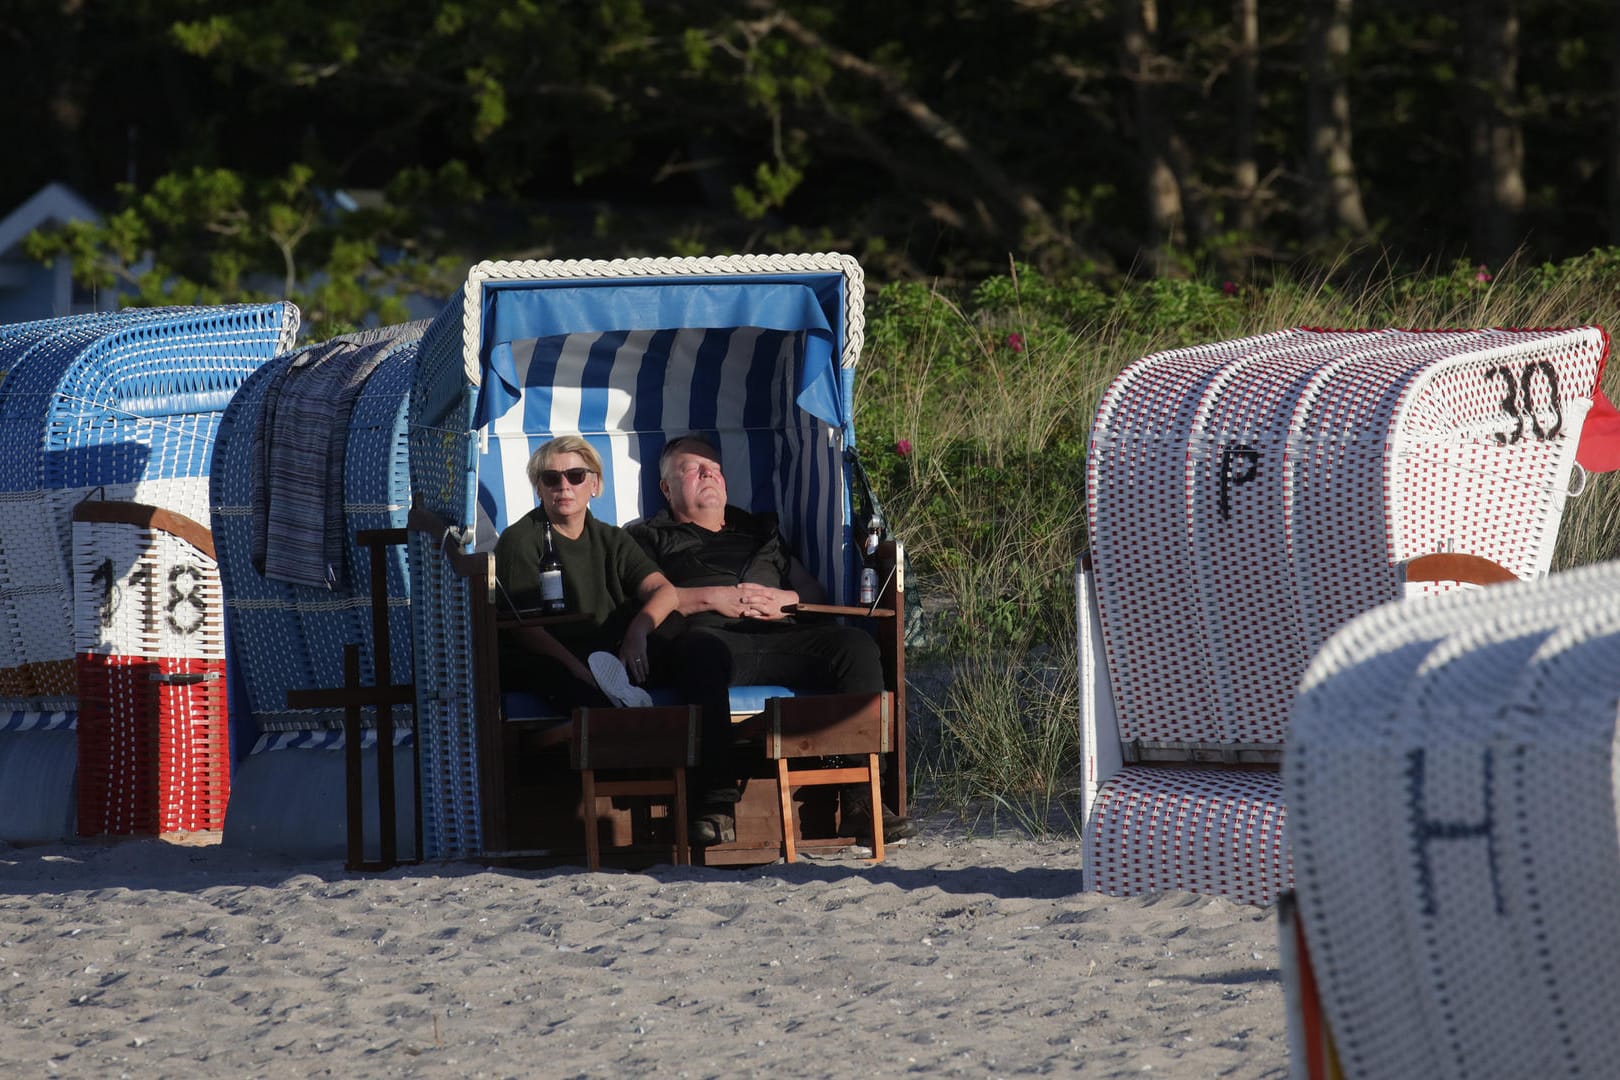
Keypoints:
pixel 55 202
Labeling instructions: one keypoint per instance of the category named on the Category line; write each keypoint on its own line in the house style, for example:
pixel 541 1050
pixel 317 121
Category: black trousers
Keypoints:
pixel 549 679
pixel 706 661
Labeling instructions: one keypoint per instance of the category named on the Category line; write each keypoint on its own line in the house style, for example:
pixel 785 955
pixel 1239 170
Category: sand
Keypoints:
pixel 959 956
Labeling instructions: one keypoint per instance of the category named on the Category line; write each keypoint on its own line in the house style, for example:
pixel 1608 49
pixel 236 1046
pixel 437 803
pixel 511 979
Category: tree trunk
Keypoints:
pixel 996 188
pixel 1245 92
pixel 1145 70
pixel 1333 204
pixel 1495 138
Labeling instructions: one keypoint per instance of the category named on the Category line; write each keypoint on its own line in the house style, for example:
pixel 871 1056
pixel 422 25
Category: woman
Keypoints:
pixel 614 591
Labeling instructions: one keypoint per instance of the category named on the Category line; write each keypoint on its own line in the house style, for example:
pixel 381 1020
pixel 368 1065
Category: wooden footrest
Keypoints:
pixel 824 725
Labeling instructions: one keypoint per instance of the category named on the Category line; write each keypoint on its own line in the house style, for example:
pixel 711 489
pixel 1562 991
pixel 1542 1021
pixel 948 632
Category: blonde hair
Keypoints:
pixel 562 444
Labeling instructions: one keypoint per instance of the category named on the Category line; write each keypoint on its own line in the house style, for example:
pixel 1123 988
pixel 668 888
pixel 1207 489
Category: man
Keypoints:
pixel 736 583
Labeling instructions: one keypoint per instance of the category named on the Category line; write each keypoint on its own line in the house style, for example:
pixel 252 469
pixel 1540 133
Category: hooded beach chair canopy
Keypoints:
pixel 758 352
pixel 1246 499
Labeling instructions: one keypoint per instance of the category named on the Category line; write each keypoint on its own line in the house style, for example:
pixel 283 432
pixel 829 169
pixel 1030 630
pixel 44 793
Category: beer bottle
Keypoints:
pixel 869 568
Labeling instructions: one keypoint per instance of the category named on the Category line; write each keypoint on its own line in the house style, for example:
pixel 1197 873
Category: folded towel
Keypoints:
pixel 299 451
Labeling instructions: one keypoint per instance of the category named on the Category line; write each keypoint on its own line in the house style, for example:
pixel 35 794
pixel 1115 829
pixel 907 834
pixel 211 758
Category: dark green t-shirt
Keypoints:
pixel 602 571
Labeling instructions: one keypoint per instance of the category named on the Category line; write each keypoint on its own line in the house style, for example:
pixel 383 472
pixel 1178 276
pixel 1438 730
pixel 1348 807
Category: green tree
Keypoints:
pixel 212 236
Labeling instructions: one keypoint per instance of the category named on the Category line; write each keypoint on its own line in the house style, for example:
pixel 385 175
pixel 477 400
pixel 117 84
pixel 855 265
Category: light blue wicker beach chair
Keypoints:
pixel 290 610
pixel 757 352
pixel 122 407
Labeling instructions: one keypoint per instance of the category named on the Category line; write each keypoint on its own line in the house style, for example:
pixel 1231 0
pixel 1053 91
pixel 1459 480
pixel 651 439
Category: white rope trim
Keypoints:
pixel 854 286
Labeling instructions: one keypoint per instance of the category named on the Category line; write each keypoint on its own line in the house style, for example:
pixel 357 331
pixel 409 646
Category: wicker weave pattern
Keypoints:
pixel 1201 830
pixel 1366 449
pixel 154 753
pixel 1253 496
pixel 709 266
pixel 1451 779
pixel 144 593
pixel 446 715
pixel 113 405
pixel 291 636
pixel 625 389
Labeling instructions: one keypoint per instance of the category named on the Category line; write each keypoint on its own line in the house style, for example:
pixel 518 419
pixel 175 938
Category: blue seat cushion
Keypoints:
pixel 745 701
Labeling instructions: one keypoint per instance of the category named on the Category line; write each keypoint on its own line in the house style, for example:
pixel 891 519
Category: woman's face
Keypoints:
pixel 566 501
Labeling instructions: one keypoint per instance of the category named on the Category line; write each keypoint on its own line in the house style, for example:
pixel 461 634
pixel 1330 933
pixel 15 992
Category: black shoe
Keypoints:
pixel 855 815
pixel 896 827
pixel 713 827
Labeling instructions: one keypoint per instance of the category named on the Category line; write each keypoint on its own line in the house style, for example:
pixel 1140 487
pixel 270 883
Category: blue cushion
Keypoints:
pixel 751 699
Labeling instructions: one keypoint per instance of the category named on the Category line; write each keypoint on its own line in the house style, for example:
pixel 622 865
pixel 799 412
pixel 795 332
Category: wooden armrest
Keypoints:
pixel 1457 566
pixel 838 609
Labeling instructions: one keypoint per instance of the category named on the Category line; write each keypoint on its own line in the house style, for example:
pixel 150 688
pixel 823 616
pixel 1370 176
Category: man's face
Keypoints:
pixel 694 483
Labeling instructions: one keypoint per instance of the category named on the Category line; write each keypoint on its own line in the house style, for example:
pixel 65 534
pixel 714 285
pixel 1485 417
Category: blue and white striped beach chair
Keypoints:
pixel 758 352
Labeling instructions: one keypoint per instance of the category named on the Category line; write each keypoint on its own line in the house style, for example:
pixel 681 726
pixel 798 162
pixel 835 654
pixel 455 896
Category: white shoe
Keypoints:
pixel 615 682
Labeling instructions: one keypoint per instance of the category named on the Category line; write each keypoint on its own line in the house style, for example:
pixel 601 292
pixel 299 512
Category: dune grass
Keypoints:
pixel 974 411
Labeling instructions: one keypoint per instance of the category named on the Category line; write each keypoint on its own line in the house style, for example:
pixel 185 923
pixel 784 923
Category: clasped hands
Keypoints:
pixel 759 602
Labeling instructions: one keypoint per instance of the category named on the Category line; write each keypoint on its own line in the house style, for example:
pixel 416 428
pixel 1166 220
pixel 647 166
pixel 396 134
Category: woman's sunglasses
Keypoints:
pixel 554 477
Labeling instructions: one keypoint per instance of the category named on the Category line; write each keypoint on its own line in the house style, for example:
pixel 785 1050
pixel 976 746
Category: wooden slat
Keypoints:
pixel 113 512
pixel 1458 566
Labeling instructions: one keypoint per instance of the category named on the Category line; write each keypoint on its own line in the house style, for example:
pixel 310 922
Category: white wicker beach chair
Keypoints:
pixel 1248 498
pixel 1451 790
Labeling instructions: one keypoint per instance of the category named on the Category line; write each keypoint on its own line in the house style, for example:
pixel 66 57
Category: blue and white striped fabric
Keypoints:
pixel 40 719
pixel 324 739
pixel 757 352
pixel 628 391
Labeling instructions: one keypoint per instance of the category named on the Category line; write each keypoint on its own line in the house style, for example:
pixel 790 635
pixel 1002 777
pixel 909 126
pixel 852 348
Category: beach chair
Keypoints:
pixel 310 463
pixel 1248 498
pixel 1451 793
pixel 758 352
pixel 122 408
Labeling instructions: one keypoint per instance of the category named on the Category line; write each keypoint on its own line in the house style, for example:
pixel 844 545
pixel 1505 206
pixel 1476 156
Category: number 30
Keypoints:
pixel 1516 401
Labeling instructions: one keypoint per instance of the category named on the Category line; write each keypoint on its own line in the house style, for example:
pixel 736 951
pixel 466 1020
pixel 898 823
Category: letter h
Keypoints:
pixel 1426 830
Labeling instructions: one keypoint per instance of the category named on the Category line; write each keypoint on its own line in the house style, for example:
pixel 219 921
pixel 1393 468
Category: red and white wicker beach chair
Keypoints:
pixel 1248 498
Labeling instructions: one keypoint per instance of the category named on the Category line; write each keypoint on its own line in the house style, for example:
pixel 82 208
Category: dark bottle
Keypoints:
pixel 869 569
pixel 552 601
